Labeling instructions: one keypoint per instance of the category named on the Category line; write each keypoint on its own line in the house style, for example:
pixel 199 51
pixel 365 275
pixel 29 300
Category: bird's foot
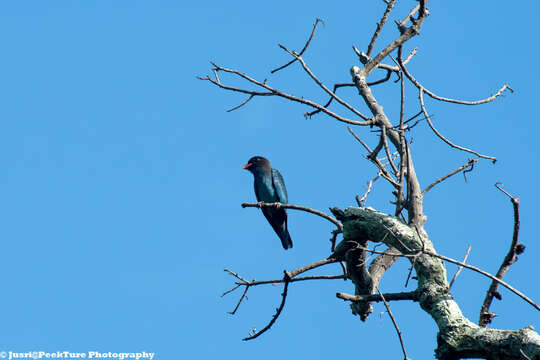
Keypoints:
pixel 260 204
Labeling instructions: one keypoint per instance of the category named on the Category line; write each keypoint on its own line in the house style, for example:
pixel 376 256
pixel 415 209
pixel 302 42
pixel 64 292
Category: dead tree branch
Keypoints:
pixel 273 92
pixel 295 207
pixel 256 334
pixel 421 91
pixel 406 34
pixel 455 101
pixel 509 259
pixel 468 165
pixel 395 324
pixel 460 267
pixel 380 25
pixel 322 86
pixel 305 46
pixel 411 295
pixel 361 201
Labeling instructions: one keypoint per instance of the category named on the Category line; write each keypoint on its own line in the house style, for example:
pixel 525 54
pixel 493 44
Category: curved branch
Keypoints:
pixel 469 164
pixel 305 46
pixel 509 259
pixel 286 279
pixel 242 103
pixel 421 91
pixel 336 86
pixel 295 207
pixel 455 101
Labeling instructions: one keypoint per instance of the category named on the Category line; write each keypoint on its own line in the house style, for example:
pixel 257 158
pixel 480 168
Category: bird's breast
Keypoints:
pixel 264 189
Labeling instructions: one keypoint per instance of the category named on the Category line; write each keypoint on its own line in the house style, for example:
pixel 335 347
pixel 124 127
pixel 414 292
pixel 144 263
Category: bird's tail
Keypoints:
pixel 285 239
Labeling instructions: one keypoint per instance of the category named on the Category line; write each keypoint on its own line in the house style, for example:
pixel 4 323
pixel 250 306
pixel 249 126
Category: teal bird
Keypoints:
pixel 270 188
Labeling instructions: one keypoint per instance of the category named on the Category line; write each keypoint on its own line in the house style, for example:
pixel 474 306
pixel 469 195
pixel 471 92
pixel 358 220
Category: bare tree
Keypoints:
pixel 403 231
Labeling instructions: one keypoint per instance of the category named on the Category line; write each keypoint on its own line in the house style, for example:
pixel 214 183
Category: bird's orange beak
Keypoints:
pixel 245 167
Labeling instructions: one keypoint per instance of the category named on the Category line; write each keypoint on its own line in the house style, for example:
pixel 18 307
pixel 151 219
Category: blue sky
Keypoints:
pixel 122 182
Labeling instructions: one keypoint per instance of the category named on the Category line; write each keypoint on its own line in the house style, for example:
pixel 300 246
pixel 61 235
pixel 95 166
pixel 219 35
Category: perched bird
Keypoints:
pixel 270 188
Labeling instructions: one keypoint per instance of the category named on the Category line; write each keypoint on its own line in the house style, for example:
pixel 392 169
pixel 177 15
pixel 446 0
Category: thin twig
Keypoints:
pixel 336 86
pixel 515 291
pixel 312 266
pixel 322 86
pixel 380 25
pixel 397 69
pixel 394 322
pixel 274 92
pixel 231 290
pixel 242 103
pixel 460 267
pixel 305 46
pixel 295 207
pixel 380 81
pixel 387 150
pixel 359 139
pixel 455 101
pixel 361 201
pixel 296 279
pixel 508 260
pixel 240 301
pixel 406 34
pixel 384 172
pixel 256 334
pixel 333 239
pixel 469 164
pixel 421 91
pixel 410 271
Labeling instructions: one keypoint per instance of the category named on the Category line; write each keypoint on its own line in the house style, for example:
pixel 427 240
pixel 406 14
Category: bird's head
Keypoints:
pixel 257 163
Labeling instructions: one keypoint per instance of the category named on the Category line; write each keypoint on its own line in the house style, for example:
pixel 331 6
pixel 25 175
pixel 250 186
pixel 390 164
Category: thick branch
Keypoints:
pixel 458 337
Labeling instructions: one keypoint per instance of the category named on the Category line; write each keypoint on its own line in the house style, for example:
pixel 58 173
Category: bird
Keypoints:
pixel 270 188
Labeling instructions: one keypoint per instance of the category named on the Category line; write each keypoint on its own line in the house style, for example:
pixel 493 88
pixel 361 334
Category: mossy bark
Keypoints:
pixel 458 337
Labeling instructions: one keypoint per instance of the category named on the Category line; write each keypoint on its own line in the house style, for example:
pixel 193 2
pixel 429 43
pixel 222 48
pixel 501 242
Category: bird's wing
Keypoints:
pixel 279 186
